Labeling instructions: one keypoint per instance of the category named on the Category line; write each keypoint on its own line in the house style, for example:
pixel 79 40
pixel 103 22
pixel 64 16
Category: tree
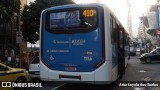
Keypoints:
pixel 8 8
pixel 31 17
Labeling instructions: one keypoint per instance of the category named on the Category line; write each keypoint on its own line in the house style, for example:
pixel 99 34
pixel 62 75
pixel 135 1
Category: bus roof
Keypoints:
pixel 77 5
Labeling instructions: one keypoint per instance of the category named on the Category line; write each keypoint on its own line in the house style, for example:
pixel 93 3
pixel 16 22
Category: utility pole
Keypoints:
pixel 18 30
pixel 143 20
pixel 129 19
pixel 145 42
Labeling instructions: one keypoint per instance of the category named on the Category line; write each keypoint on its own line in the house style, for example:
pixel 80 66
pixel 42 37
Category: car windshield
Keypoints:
pixel 154 50
pixel 35 60
pixel 2 68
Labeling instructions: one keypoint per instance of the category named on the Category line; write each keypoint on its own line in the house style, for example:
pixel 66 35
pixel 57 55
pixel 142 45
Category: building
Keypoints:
pixel 152 31
pixel 8 33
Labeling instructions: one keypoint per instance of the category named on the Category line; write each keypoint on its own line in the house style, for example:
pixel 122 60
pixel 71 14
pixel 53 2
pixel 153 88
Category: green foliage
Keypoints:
pixel 31 17
pixel 7 10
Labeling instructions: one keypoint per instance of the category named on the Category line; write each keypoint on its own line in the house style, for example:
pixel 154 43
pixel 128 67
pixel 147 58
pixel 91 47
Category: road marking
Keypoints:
pixel 146 79
pixel 142 71
pixel 58 86
pixel 139 88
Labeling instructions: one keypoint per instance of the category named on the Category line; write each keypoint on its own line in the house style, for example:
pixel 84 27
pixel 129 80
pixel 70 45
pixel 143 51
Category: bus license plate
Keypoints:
pixel 70 68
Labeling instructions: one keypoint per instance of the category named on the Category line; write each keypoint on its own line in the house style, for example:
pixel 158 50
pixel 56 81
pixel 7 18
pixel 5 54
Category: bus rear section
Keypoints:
pixel 72 44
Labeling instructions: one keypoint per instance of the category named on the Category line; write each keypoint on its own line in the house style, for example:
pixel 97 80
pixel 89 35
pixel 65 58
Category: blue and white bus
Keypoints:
pixel 82 42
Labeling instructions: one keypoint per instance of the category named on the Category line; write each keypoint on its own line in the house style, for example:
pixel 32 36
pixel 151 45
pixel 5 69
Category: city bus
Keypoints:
pixel 82 42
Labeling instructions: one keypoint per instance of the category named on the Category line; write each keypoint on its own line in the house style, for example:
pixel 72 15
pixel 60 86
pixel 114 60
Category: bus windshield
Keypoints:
pixel 71 19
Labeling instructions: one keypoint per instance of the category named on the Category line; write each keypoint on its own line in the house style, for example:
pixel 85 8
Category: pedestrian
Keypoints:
pixel 22 60
pixel 12 54
pixel 31 55
pixel 6 55
pixel 26 58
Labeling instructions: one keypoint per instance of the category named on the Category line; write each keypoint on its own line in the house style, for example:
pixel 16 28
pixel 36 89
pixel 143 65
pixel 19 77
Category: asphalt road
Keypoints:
pixel 135 71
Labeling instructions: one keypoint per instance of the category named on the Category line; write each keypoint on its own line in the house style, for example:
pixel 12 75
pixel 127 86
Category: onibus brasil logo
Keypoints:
pixel 13 84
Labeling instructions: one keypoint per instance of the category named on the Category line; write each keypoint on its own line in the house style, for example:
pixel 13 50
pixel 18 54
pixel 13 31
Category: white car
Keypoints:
pixel 34 69
pixel 137 49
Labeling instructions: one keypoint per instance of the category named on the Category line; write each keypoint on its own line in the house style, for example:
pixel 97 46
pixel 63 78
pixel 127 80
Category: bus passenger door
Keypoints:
pixel 121 59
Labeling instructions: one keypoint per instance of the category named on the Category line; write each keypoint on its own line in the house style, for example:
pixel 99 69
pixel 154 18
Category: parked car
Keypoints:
pixel 153 55
pixel 34 68
pixel 8 74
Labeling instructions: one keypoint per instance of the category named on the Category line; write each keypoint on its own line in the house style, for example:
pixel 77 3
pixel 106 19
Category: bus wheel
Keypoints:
pixel 120 77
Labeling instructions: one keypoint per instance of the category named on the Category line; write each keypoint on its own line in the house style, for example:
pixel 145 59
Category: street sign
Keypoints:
pixel 19 37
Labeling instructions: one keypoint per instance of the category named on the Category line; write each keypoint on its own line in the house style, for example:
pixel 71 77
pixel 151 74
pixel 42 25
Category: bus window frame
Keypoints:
pixel 72 30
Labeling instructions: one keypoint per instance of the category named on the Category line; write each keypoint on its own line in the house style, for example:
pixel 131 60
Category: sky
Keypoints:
pixel 120 9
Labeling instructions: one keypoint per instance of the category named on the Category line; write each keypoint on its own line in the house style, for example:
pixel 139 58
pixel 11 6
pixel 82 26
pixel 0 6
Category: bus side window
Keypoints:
pixel 113 31
pixel 121 38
